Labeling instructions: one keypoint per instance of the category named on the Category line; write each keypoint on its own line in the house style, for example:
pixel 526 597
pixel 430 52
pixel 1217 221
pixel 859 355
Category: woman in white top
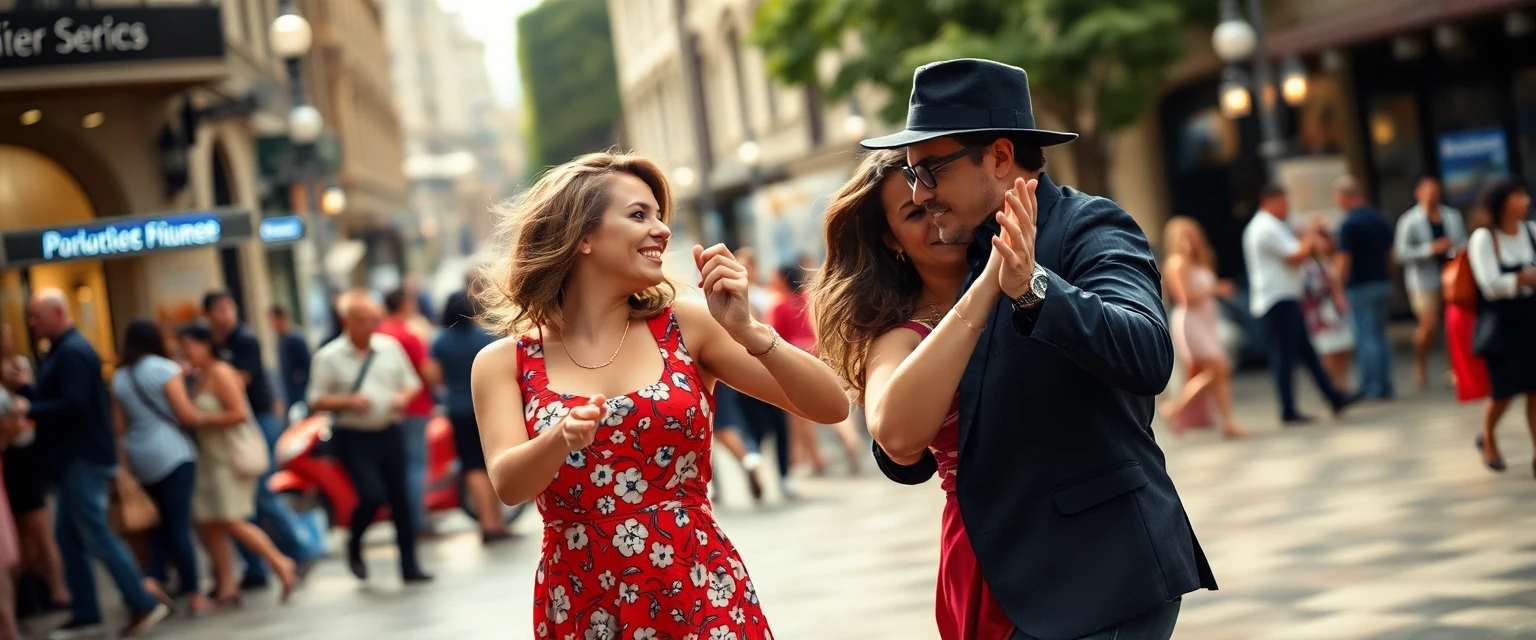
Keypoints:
pixel 1503 259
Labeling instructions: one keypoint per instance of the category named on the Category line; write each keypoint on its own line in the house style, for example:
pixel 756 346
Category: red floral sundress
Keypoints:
pixel 631 549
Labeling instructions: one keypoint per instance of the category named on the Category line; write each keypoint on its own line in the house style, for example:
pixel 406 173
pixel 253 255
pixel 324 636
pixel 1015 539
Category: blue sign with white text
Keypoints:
pixel 281 229
pixel 126 237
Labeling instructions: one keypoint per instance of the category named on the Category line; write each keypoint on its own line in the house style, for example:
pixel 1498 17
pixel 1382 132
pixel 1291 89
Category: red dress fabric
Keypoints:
pixel 964 604
pixel 1471 372
pixel 631 548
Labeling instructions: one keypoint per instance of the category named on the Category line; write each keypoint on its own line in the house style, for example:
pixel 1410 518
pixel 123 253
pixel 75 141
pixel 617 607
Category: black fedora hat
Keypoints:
pixel 968 96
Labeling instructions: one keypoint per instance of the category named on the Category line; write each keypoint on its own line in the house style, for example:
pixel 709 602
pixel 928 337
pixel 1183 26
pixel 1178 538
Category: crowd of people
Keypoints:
pixel 1325 295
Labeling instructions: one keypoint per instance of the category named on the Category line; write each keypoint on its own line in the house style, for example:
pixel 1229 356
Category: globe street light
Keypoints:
pixel 749 152
pixel 291 36
pixel 334 201
pixel 305 124
pixel 1234 40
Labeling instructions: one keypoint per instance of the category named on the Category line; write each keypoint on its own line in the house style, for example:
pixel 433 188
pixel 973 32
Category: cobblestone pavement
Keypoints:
pixel 1382 524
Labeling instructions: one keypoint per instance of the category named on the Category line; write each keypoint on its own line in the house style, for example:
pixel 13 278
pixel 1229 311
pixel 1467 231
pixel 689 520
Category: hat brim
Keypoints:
pixel 909 137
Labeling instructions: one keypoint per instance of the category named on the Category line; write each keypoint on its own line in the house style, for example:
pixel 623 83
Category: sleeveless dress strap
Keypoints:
pixel 922 330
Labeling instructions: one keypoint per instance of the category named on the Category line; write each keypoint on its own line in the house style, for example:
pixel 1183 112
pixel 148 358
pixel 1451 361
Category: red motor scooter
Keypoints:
pixel 309 479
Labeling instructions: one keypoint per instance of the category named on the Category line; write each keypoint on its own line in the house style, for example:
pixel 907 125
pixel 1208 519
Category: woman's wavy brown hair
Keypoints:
pixel 862 291
pixel 525 284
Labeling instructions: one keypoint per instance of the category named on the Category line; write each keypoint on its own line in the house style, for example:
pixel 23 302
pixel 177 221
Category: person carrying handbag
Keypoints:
pixel 231 457
pixel 365 380
pixel 1503 258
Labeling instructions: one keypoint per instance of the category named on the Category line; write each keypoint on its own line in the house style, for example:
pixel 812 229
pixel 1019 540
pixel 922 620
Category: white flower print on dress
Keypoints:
pixel 630 537
pixel 681 353
pixel 698 574
pixel 559 604
pixel 631 486
pixel 661 555
pixel 606 505
pixel 628 594
pixel 685 468
pixel 643 424
pixel 549 415
pixel 663 457
pixel 578 460
pixel 531 409
pixel 534 348
pixel 606 580
pixel 722 632
pixel 750 593
pixel 576 537
pixel 543 630
pixel 703 537
pixel 645 633
pixel 602 475
pixel 603 626
pixel 681 517
pixel 618 437
pixel 680 381
pixel 722 587
pixel 618 409
pixel 737 569
pixel 658 392
pixel 738 616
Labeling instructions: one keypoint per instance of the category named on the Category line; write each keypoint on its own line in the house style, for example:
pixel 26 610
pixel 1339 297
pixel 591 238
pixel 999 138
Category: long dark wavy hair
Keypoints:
pixel 863 290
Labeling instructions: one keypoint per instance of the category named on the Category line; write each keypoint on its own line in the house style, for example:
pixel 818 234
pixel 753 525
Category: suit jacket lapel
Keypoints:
pixel 1047 194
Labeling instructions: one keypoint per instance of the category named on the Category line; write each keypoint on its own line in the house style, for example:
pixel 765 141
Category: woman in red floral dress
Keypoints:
pixel 612 435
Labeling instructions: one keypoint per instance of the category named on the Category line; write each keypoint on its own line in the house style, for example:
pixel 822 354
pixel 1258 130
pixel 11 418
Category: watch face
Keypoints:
pixel 1037 285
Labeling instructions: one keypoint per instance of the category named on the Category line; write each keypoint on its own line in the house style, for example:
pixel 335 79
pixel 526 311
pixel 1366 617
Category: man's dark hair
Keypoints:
pixel 394 301
pixel 141 338
pixel 1269 191
pixel 197 332
pixel 278 311
pixel 1419 181
pixel 213 297
pixel 459 312
pixel 1029 157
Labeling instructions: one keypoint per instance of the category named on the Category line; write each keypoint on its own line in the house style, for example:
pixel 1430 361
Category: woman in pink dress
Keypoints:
pixel 888 321
pixel 1190 274
pixel 612 435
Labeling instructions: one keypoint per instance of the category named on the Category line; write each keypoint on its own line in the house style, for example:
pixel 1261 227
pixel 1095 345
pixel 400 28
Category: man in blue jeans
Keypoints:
pixel 1363 263
pixel 74 430
pixel 241 349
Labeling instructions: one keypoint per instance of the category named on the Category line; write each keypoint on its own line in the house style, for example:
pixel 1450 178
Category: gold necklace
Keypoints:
pixel 615 355
pixel 935 318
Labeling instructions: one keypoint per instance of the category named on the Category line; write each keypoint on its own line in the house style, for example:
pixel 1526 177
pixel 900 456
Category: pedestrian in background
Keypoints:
pixel 26 483
pixel 1428 234
pixel 70 405
pixel 453 355
pixel 1503 257
pixel 1195 323
pixel 1326 310
pixel 401 306
pixel 292 358
pixel 150 404
pixel 1364 263
pixel 365 380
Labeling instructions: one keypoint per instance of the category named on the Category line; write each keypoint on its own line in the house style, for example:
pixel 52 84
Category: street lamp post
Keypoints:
pixel 291 37
pixel 1236 41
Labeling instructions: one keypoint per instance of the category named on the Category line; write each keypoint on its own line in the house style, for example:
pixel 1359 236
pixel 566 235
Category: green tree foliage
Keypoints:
pixel 570 85
pixel 1096 64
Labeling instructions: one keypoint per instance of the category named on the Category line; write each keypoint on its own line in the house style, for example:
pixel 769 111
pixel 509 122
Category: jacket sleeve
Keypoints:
pixel 74 388
pixel 1407 249
pixel 1104 310
pixel 917 473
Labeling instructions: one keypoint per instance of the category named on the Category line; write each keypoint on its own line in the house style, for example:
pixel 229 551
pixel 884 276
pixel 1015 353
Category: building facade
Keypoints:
pixel 461 147
pixel 753 162
pixel 128 171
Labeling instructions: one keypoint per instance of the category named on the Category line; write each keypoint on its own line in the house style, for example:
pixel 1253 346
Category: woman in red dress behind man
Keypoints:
pixel 612 435
pixel 885 309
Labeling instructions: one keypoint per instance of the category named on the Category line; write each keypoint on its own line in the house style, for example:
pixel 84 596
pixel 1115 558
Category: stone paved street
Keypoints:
pixel 1381 525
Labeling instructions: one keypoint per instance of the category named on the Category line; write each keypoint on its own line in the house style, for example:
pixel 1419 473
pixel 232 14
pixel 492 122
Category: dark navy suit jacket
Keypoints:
pixel 70 405
pixel 1064 493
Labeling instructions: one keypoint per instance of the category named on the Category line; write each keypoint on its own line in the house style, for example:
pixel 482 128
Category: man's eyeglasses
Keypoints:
pixel 923 171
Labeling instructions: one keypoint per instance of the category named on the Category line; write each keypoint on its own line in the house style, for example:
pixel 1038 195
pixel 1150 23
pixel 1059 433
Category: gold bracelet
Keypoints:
pixel 772 346
pixel 956 310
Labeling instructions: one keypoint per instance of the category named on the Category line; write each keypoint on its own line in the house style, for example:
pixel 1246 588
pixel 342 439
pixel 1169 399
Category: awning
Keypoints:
pixel 1376 21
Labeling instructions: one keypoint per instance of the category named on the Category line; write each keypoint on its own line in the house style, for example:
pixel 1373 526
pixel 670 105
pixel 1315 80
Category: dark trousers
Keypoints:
pixel 763 419
pixel 172 540
pixel 375 462
pixel 272 514
pixel 1288 342
pixel 1156 624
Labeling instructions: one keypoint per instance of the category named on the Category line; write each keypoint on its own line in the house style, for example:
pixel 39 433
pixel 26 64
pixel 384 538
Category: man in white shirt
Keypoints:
pixel 1274 256
pixel 1428 234
pixel 365 380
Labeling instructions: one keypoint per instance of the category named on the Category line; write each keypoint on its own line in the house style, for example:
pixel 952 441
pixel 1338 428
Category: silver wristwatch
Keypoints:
pixel 1036 292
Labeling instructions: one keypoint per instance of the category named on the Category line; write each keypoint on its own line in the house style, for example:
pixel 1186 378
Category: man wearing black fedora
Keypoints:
pixel 1065 495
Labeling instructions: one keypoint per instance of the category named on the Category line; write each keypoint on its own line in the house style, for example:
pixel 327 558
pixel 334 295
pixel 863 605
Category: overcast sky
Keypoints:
pixel 495 23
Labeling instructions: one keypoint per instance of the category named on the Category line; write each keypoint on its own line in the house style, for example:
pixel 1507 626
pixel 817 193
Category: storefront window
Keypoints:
pixel 1397 151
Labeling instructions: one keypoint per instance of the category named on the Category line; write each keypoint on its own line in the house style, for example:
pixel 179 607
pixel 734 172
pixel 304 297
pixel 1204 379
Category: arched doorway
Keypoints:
pixel 35 191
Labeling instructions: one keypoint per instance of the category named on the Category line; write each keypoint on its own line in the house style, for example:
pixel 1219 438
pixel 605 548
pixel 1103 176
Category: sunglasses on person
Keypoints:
pixel 923 171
